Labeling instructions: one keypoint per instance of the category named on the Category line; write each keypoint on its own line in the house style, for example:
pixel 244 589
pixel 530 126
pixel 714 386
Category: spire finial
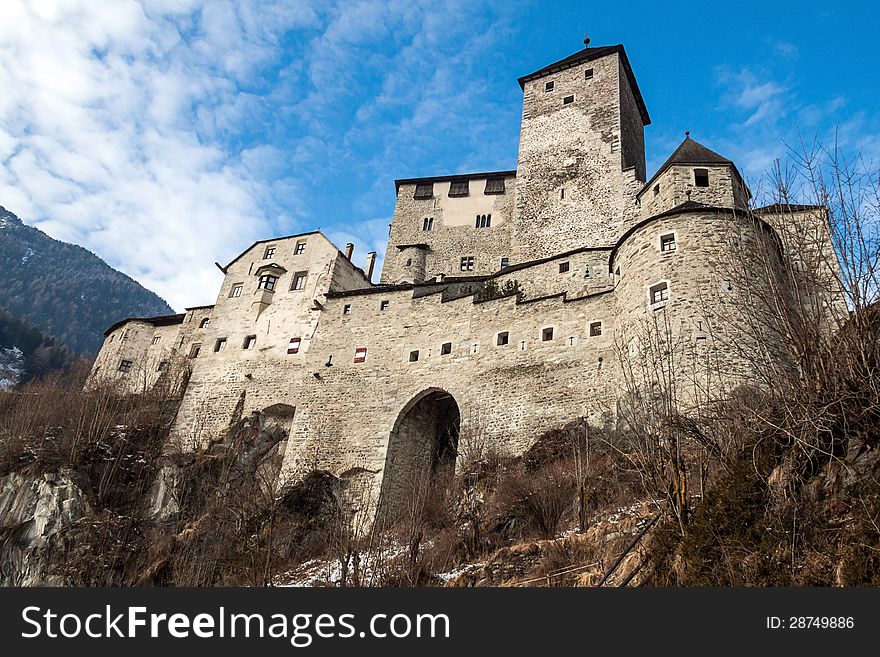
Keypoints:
pixel 687 133
pixel 586 40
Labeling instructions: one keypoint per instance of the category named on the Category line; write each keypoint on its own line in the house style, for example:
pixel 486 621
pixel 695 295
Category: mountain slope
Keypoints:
pixel 65 290
pixel 26 352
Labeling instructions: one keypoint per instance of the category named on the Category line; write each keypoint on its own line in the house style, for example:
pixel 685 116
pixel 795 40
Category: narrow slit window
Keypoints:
pixel 656 190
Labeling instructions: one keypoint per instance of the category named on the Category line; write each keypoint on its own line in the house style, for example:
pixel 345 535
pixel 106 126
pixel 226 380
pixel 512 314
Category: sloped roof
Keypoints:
pixel 692 152
pixel 588 54
pixel 161 320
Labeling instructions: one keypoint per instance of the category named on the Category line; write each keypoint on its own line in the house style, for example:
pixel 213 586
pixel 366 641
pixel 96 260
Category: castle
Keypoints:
pixel 508 302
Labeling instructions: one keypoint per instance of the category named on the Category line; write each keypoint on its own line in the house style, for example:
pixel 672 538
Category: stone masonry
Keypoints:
pixel 509 303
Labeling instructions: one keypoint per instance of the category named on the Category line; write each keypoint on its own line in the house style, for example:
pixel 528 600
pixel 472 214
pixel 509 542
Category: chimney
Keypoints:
pixel 349 249
pixel 369 264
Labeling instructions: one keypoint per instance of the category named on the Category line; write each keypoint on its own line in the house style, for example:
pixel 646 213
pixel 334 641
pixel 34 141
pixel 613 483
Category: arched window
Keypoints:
pixel 204 322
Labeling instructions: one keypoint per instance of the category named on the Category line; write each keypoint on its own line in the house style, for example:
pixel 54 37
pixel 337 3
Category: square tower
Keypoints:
pixel 581 153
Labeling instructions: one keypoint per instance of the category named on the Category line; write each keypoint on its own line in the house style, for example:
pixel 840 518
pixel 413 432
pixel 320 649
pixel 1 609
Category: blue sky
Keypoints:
pixel 167 134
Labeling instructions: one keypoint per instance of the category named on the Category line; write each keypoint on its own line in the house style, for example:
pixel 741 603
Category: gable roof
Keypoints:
pixel 273 239
pixel 589 54
pixel 161 320
pixel 692 152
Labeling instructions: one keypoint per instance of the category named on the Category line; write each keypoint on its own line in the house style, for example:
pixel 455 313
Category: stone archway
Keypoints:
pixel 422 447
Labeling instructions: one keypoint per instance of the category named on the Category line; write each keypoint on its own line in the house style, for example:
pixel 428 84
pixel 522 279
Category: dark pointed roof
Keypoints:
pixel 588 54
pixel 691 152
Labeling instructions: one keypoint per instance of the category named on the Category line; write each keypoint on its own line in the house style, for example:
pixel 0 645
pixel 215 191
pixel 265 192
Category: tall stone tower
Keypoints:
pixel 581 153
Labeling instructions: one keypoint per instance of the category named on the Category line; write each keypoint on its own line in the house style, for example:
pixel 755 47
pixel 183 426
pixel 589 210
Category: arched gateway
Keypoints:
pixel 421 453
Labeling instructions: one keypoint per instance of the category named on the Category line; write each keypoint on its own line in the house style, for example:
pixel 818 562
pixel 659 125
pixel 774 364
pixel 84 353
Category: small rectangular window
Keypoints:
pixel 249 342
pixel 667 242
pixel 548 86
pixel 299 280
pixel 156 339
pixel 163 365
pixel 659 293
pixel 413 356
pixel 360 355
pixel 125 365
pixel 656 189
pixel 505 263
pixel 428 223
pixel 220 345
pixel 445 348
pixel 467 263
pixel 424 190
pixel 502 339
pixel 267 282
pixel 346 309
pixel 270 251
pixel 494 186
pixel 547 334
pixel 459 188
pixel 293 345
pixel 701 177
pixel 568 100
pixel 588 74
pixel 234 292
pixel 383 305
pixel 595 329
pixel 300 248
pixel 194 350
pixel 564 267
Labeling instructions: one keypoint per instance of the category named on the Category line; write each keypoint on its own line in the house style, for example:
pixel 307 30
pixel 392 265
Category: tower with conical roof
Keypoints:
pixel 581 156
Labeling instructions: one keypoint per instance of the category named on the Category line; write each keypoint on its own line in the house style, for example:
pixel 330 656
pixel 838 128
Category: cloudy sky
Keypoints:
pixel 166 134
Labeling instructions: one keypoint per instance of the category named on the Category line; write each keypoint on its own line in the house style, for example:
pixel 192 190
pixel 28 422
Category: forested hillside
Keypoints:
pixel 63 289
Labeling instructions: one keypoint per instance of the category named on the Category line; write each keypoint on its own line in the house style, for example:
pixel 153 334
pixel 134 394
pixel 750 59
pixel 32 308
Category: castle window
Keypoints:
pixel 194 350
pixel 299 280
pixel 467 263
pixel 586 271
pixel 207 320
pixel 505 263
pixel 163 365
pixel 494 186
pixel 408 262
pixel 346 309
pixel 383 305
pixel 588 74
pixel 547 334
pixel 424 190
pixel 595 329
pixel 445 348
pixel 360 355
pixel 667 242
pixel 233 293
pixel 656 189
pixel 428 223
pixel 300 248
pixel 548 86
pixel 701 177
pixel 483 221
pixel 267 282
pixel 293 345
pixel 568 100
pixel 459 188
pixel 112 337
pixel 125 365
pixel 220 345
pixel 270 251
pixel 616 276
pixel 249 342
pixel 413 356
pixel 659 293
pixel 564 267
pixel 156 339
pixel 502 339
